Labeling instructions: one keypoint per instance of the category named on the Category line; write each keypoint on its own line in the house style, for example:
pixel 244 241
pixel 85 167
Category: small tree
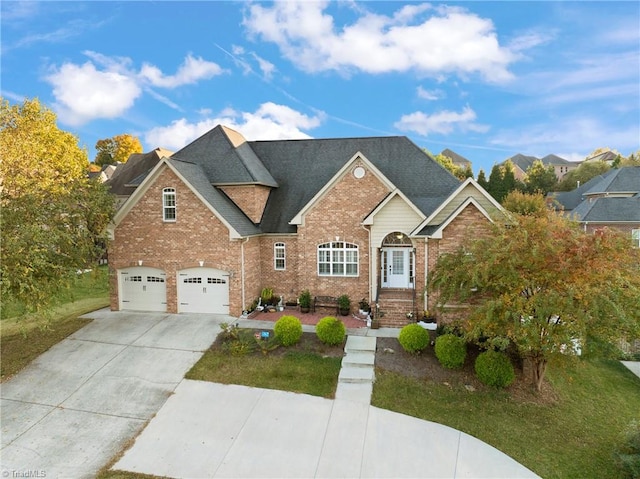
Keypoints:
pixel 545 285
pixel 540 179
pixel 116 149
pixel 525 203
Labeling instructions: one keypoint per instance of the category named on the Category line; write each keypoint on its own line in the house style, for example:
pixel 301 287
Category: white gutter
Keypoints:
pixel 242 272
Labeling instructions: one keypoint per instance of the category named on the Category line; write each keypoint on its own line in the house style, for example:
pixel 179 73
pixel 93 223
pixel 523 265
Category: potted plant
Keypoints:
pixel 304 300
pixel 344 304
pixel 364 306
pixel 266 296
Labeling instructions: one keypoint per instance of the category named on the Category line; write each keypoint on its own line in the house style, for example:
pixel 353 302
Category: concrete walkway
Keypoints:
pixel 633 366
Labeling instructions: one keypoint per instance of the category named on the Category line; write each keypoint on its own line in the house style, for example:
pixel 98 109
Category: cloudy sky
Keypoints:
pixel 485 79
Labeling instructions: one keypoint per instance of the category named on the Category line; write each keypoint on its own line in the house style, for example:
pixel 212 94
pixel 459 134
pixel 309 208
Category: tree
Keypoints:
pixel 546 286
pixel 53 217
pixel 583 173
pixel 482 179
pixel 116 149
pixel 525 203
pixel 540 179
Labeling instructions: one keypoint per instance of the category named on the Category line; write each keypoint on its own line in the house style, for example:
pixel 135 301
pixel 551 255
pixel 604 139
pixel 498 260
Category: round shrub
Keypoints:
pixel 288 329
pixel 451 350
pixel 494 369
pixel 413 338
pixel 331 331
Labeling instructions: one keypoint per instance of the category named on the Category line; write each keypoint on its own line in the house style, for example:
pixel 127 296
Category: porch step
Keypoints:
pixel 357 374
pixel 360 344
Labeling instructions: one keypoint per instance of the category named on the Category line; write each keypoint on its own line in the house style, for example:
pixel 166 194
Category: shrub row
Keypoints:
pixel 492 368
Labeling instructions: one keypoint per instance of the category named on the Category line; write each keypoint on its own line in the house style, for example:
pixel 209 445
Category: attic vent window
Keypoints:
pixel 358 172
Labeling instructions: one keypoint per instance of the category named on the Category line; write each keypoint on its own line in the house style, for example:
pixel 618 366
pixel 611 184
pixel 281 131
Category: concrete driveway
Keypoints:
pixel 77 405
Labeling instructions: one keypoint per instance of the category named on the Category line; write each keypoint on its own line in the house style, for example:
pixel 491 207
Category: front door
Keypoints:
pixel 396 268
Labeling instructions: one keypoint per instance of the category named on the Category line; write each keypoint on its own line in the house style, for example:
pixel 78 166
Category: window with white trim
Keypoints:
pixel 279 256
pixel 338 258
pixel 635 237
pixel 169 204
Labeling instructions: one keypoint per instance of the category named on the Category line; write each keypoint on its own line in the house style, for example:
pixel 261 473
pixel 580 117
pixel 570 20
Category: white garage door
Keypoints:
pixel 203 290
pixel 142 289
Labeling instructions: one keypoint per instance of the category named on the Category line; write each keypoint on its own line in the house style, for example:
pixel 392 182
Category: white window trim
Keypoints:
pixel 279 247
pixel 340 249
pixel 635 237
pixel 167 193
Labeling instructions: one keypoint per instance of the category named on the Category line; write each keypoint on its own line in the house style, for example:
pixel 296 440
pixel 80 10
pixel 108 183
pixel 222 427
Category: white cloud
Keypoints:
pixel 267 68
pixel 442 122
pixel 83 93
pixel 574 134
pixel 106 87
pixel 269 122
pixel 430 95
pixel 449 41
pixel 191 71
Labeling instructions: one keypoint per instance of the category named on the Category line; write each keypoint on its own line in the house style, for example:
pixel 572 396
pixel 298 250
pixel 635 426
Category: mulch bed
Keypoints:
pixel 308 318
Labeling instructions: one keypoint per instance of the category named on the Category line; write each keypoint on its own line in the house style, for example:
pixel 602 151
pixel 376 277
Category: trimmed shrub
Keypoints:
pixel 494 369
pixel 628 452
pixel 413 338
pixel 331 331
pixel 288 330
pixel 451 350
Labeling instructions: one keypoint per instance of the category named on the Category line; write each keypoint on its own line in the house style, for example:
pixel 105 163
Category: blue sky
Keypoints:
pixel 485 79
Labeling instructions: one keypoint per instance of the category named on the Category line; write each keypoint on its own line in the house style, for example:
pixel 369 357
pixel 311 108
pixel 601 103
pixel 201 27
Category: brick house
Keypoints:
pixel 211 225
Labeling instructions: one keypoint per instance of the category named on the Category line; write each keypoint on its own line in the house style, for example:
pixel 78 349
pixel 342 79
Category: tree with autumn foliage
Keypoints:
pixel 116 149
pixel 53 217
pixel 544 285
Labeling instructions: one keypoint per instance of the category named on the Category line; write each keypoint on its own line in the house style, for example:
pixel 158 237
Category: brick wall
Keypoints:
pixel 196 235
pixel 339 214
pixel 251 199
pixel 284 283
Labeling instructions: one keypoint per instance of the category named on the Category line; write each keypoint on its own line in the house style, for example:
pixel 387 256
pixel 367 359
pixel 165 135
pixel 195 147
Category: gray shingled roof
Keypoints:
pixel 303 167
pixel 455 157
pixel 194 174
pixel 608 209
pixel 618 180
pixel 556 160
pixel 223 163
pixel 571 199
pixel 130 173
pixel 524 162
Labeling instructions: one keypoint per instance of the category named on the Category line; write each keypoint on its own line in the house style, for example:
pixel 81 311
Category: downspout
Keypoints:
pixel 244 303
pixel 371 258
pixel 426 272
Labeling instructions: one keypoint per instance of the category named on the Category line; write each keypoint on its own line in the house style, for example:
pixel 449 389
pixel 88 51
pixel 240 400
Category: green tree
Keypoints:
pixel 543 284
pixel 116 149
pixel 583 173
pixel 540 178
pixel 482 179
pixel 53 218
pixel 525 203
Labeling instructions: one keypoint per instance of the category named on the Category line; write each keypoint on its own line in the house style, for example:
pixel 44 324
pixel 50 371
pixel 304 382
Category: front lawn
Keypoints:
pixel 308 367
pixel 571 432
pixel 23 337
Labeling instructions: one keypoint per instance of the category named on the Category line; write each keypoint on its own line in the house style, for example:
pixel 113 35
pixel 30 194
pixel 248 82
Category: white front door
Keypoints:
pixel 396 268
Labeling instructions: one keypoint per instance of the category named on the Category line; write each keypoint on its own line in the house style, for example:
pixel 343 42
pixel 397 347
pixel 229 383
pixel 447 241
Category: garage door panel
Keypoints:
pixel 203 290
pixel 143 289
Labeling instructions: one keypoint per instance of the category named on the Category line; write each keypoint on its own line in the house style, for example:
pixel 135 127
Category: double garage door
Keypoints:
pixel 199 290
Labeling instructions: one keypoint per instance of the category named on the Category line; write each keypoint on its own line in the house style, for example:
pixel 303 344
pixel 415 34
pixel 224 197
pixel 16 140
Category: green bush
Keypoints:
pixel 628 453
pixel 288 329
pixel 451 350
pixel 331 331
pixel 494 369
pixel 413 338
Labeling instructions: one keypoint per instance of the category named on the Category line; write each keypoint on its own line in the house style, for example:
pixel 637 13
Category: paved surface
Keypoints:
pixel 633 366
pixel 77 405
pixel 210 430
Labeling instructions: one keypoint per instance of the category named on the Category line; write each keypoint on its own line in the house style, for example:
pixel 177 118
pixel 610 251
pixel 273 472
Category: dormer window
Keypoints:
pixel 169 204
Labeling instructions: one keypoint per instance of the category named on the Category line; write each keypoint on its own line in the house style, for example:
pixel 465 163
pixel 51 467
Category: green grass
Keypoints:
pixel 300 372
pixel 573 436
pixel 23 337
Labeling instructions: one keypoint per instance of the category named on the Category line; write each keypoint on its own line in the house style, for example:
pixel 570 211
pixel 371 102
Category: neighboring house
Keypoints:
pixel 129 175
pixel 609 200
pixel 457 159
pixel 607 156
pixel 522 163
pixel 210 226
pixel 105 173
